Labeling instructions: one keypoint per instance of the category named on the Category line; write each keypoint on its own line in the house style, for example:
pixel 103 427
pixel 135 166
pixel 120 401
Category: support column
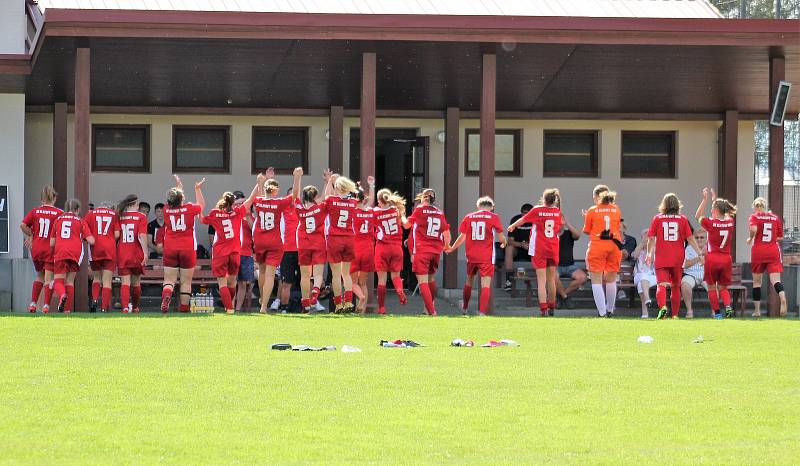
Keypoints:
pixel 777 73
pixel 83 138
pixel 488 110
pixel 336 139
pixel 60 152
pixel 451 176
pixel 367 130
pixel 727 172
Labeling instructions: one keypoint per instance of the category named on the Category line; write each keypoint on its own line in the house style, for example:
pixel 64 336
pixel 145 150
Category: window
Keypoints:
pixel 648 154
pixel 200 149
pixel 507 149
pixel 120 148
pixel 283 148
pixel 570 153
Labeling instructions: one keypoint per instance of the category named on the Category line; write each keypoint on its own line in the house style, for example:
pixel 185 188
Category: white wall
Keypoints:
pixel 12 165
pixel 12 26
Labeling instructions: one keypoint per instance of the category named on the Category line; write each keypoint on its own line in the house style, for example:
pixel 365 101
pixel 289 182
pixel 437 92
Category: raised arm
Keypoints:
pixel 329 178
pixel 259 182
pixel 178 182
pixel 701 209
pixel 198 195
pixel 371 191
pixel 298 175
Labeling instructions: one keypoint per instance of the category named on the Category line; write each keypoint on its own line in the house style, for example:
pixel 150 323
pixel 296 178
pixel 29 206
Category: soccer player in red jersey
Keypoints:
pixel 341 203
pixel 364 261
pixel 131 252
pixel 66 238
pixel 36 227
pixel 389 216
pixel 226 219
pixel 479 230
pixel 431 234
pixel 545 219
pixel 244 281
pixel 104 225
pixel 268 238
pixel 718 266
pixel 766 232
pixel 180 242
pixel 668 232
pixel 311 214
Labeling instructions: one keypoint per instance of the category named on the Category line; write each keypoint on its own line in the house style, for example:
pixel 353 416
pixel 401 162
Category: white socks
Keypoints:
pixel 611 296
pixel 599 298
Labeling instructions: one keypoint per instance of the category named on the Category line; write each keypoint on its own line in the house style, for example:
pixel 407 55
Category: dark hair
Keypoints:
pixel 310 194
pixel 359 195
pixel 238 194
pixel 525 207
pixel 226 201
pixel 145 204
pixel 129 200
pixel 159 205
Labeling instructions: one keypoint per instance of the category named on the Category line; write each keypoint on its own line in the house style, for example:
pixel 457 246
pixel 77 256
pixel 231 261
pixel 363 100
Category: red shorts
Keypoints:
pixel 124 271
pixel 340 249
pixel 542 261
pixel 306 257
pixel 41 266
pixel 106 264
pixel 66 266
pixel 388 257
pixel 425 263
pixel 268 254
pixel 180 258
pixel 766 267
pixel 365 257
pixel 672 275
pixel 483 270
pixel 222 266
pixel 718 269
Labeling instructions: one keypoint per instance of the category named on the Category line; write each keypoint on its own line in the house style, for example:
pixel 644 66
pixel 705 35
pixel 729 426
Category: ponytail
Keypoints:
pixel 175 197
pixel 130 200
pixel 72 206
pixel 608 197
pixel 226 201
pixel 49 194
pixel 724 206
pixel 551 197
pixel 271 187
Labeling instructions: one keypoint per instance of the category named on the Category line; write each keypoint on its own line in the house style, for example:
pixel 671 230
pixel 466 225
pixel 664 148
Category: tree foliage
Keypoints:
pixel 790 9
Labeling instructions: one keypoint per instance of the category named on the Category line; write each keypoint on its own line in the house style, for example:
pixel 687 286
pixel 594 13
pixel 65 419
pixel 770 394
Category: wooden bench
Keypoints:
pixel 154 273
pixel 529 279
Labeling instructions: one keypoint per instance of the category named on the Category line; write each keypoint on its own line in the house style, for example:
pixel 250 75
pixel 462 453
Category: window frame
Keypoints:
pixel 672 158
pixel 226 149
pixel 517 155
pixel 280 171
pixel 595 157
pixel 145 168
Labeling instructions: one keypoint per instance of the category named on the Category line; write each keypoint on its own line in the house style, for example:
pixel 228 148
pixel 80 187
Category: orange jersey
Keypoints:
pixel 602 217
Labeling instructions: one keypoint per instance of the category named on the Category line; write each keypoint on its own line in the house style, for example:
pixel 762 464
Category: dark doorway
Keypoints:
pixel 401 164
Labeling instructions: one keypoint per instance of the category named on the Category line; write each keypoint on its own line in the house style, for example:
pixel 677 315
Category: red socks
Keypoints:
pixel 425 291
pixel 543 307
pixel 58 287
pixel 432 287
pixel 232 291
pixel 305 302
pixel 137 293
pixel 124 296
pixel 106 294
pixel 184 308
pixel 348 296
pixel 465 296
pixel 166 293
pixel 96 290
pixel 70 298
pixel 713 299
pixel 675 297
pixel 225 295
pixel 48 294
pixel 726 297
pixel 398 284
pixel 381 296
pixel 36 291
pixel 314 295
pixel 486 294
pixel 551 306
pixel 337 300
pixel 661 296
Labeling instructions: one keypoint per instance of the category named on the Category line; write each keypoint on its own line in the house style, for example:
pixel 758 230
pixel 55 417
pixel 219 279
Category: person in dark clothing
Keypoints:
pixel 517 246
pixel 566 265
pixel 152 230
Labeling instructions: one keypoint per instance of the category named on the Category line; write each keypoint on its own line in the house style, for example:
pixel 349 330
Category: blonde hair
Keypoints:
pixel 345 185
pixel 724 206
pixel 226 201
pixel 271 186
pixel 760 203
pixel 72 206
pixel 388 198
pixel 551 197
pixel 174 197
pixel 485 201
pixel 49 194
pixel 670 204
pixel 599 189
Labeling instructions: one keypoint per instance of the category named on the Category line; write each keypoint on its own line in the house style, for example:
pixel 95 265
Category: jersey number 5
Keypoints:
pixel 766 233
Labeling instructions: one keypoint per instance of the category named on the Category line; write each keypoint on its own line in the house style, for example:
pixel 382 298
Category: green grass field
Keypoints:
pixel 207 389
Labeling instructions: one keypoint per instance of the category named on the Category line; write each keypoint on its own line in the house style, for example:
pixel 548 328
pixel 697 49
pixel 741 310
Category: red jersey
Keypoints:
pixel 479 230
pixel 364 225
pixel 179 227
pixel 289 230
pixel 387 225
pixel 545 228
pixel 269 216
pixel 428 225
pixel 131 225
pixel 40 220
pixel 104 225
pixel 765 243
pixel 311 226
pixel 670 232
pixel 247 235
pixel 227 229
pixel 159 239
pixel 340 215
pixel 69 231
pixel 720 234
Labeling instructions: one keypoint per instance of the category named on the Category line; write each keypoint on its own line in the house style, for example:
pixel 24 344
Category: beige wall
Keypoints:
pixel 696 163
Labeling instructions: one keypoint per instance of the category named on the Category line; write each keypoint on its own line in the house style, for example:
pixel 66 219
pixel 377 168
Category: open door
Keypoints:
pixel 419 164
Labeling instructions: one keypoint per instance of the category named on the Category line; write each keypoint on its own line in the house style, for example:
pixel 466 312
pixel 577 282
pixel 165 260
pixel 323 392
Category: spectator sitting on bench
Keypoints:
pixel 566 265
pixel 644 276
pixel 517 247
pixel 693 271
pixel 152 229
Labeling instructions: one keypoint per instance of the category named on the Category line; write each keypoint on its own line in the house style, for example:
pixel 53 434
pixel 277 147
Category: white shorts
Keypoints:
pixel 649 277
pixel 693 281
